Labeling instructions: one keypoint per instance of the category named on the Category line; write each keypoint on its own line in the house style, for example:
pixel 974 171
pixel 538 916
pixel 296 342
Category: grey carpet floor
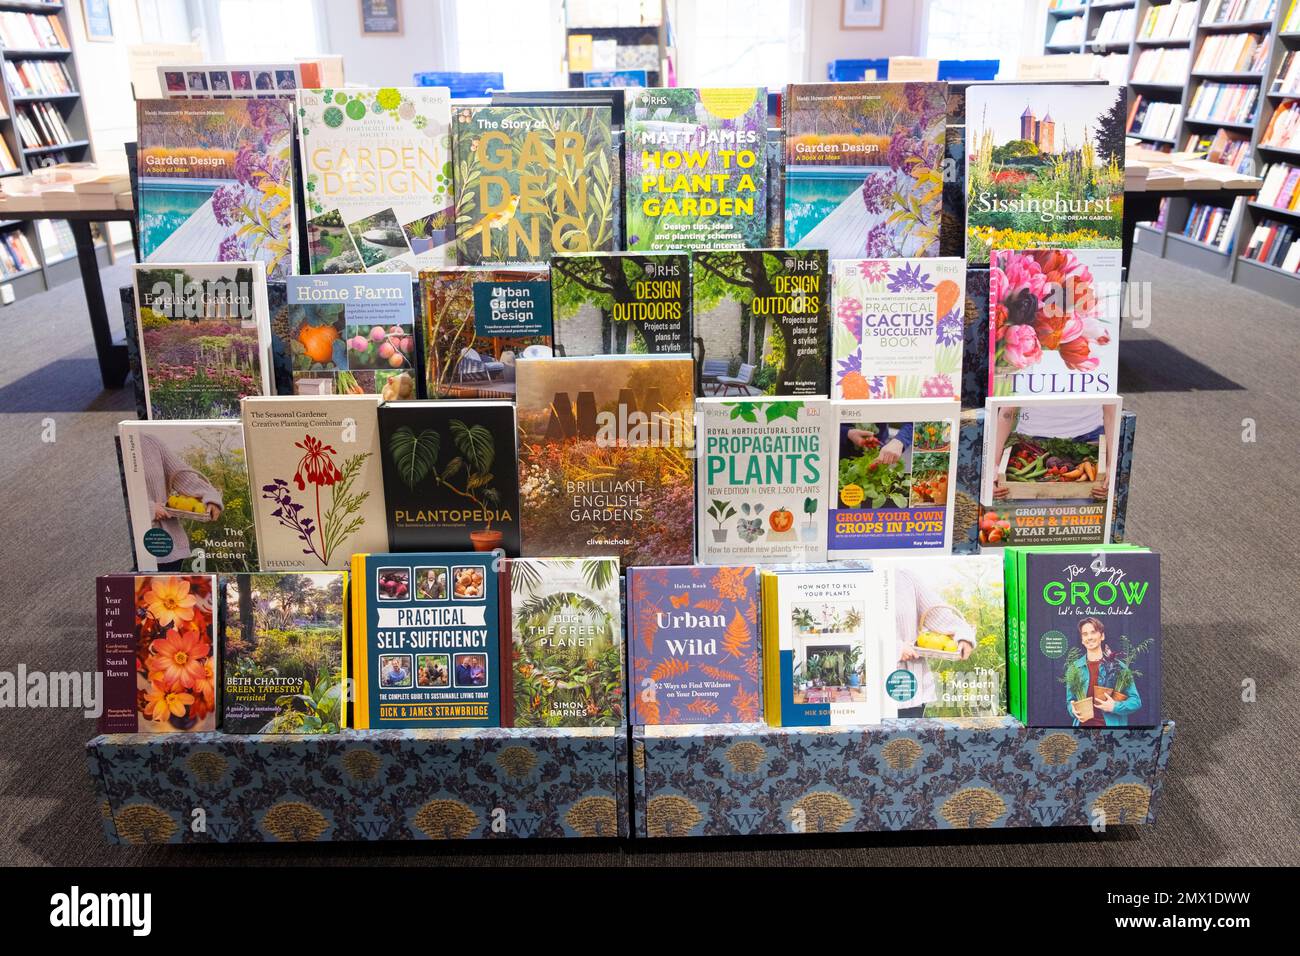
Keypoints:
pixel 1222 511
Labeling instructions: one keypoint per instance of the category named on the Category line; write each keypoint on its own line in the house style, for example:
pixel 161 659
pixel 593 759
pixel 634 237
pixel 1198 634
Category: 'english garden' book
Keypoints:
pixel 478 322
pixel 611 303
pixel 696 171
pixel 315 468
pixel 426 640
pixel 763 318
pixel 216 181
pixel 284 669
pixel 451 479
pixel 158 653
pixel 694 644
pixel 377 172
pixel 899 327
pixel 204 332
pixel 532 181
pixel 566 658
pixel 764 477
pixel 188 496
pixel 605 457
pixel 353 335
pixel 864 168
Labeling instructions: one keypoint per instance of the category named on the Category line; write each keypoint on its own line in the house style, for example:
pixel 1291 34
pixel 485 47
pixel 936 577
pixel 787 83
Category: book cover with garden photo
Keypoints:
pixel 621 303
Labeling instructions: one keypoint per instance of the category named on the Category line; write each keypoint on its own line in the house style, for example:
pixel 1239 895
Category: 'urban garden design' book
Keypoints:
pixel 621 303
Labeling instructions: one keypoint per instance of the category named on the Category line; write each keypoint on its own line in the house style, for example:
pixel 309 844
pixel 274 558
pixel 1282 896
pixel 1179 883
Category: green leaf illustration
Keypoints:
pixel 414 455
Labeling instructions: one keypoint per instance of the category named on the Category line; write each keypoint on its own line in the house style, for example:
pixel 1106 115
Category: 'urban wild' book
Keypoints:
pixel 621 303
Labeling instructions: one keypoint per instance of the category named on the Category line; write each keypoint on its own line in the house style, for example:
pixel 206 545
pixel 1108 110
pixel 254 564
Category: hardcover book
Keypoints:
pixel 566 625
pixel 314 465
pixel 621 303
pixel 353 335
pixel 893 477
pixel 204 333
pixel 605 457
pixel 283 664
pixel 532 181
pixel 157 652
pixel 216 181
pixel 696 175
pixel 426 640
pixel 1054 317
pixel 451 479
pixel 478 322
pixel 1044 167
pixel 899 328
pixel 694 643
pixel 764 479
pixel 762 321
pixel 188 496
pixel 377 172
pixel 864 168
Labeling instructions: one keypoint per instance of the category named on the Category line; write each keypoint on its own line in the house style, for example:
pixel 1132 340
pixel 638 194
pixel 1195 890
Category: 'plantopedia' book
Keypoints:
pixel 621 303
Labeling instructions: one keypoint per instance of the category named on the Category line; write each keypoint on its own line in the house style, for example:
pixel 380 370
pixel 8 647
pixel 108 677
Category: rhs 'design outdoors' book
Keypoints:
pixel 696 170
pixel 621 303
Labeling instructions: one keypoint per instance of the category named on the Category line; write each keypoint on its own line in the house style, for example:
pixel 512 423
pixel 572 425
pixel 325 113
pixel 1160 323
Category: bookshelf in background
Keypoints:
pixel 605 37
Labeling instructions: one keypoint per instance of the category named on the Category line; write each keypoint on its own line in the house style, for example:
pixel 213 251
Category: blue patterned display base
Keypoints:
pixel 744 779
pixel 362 785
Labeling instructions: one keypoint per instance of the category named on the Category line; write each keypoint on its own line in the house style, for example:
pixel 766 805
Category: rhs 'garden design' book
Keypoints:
pixel 157 652
pixel 764 477
pixel 863 168
pixel 621 303
pixel 899 327
pixel 1044 167
pixel 426 640
pixel 893 477
pixel 188 496
pixel 284 668
pixel 694 644
pixel 478 322
pixel 377 173
pixel 762 318
pixel 532 181
pixel 451 479
pixel 696 169
pixel 605 457
pixel 216 181
pixel 204 332
pixel 353 335
pixel 1054 321
pixel 314 465
pixel 566 658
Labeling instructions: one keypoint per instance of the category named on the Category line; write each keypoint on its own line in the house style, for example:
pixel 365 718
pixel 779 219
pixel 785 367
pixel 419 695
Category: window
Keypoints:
pixel 519 38
pixel 1002 30
pixel 740 42
pixel 262 31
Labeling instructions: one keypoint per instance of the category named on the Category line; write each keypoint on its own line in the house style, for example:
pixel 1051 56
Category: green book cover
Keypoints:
pixel 619 303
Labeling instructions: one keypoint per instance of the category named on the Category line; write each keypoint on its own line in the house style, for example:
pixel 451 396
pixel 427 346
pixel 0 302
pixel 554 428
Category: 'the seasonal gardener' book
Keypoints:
pixel 621 302
pixel 566 657
pixel 377 172
pixel 764 476
pixel 315 469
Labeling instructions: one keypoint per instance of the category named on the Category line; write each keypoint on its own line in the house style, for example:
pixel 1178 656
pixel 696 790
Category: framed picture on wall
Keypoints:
pixel 381 18
pixel 862 14
pixel 98 19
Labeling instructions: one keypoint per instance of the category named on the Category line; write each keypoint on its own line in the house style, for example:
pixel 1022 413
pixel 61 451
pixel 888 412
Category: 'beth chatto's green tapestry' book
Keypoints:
pixel 621 303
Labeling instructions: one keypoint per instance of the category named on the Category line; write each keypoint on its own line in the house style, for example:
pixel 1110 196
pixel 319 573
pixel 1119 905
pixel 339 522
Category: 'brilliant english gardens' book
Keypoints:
pixel 693 641
pixel 566 658
pixel 763 316
pixel 696 170
pixel 204 332
pixel 425 640
pixel 863 168
pixel 532 181
pixel 764 473
pixel 378 178
pixel 898 328
pixel 314 465
pixel 450 476
pixel 216 181
pixel 621 303
pixel 605 459
pixel 188 496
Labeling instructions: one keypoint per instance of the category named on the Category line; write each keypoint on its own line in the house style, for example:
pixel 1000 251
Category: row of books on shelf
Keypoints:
pixel 1116 26
pixel 1169 21
pixel 1283 129
pixel 1224 102
pixel 1214 226
pixel 16 255
pixel 7 163
pixel 1287 79
pixel 622 13
pixel 1218 12
pixel 1291 22
pixel 1068 31
pixel 1154 119
pixel 32 31
pixel 1232 53
pixel 38 77
pixel 1161 65
pixel 1274 243
pixel 1281 188
pixel 1225 147
pixel 40 125
pixel 1057 637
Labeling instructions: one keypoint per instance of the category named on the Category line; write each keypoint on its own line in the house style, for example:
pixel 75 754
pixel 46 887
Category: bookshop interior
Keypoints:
pixel 695 491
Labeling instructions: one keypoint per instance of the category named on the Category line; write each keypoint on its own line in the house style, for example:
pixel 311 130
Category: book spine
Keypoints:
pixel 360 656
pixel 505 648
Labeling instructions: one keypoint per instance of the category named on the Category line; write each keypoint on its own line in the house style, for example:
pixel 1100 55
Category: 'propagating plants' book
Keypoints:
pixel 622 303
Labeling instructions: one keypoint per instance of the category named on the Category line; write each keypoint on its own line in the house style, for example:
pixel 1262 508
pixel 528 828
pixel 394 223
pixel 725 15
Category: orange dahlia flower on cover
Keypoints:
pixel 169 601
pixel 161 704
pixel 178 660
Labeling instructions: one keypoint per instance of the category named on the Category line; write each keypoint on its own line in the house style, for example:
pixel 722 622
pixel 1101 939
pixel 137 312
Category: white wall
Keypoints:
pixel 384 60
pixel 899 35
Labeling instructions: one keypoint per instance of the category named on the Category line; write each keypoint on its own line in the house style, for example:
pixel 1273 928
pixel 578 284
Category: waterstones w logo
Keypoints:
pixel 76 909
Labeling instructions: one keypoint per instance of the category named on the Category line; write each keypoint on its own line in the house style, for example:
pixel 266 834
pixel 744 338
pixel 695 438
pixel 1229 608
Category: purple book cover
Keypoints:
pixel 693 637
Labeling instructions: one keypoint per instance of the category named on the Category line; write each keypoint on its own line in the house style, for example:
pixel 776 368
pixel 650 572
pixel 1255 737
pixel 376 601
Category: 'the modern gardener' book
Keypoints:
pixel 377 172
pixel 621 303
pixel 451 479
